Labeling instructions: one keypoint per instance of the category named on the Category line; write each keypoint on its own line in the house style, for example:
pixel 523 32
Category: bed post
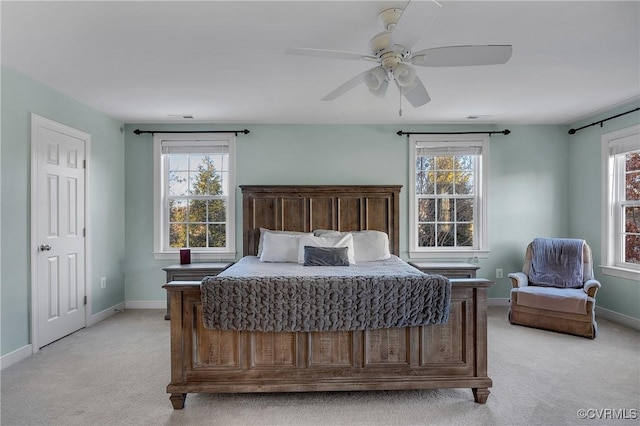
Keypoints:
pixel 480 395
pixel 177 343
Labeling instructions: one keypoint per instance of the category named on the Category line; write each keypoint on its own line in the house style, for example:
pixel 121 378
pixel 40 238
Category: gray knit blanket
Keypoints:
pixel 285 303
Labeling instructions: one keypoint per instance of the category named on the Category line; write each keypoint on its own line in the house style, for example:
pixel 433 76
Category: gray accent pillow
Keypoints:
pixel 326 256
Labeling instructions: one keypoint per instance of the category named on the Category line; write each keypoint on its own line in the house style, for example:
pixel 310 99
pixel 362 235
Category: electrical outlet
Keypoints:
pixel 103 282
pixel 499 273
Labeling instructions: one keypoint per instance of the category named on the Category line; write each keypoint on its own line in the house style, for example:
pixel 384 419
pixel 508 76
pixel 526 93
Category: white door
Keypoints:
pixel 58 244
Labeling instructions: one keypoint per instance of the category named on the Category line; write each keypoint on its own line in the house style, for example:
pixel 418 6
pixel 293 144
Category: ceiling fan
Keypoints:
pixel 391 49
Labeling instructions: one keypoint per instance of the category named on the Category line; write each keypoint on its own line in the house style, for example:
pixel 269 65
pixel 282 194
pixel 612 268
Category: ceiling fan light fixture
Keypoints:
pixel 408 87
pixel 404 74
pixel 375 78
pixel 380 91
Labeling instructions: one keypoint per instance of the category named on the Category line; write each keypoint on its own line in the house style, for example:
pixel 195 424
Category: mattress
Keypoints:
pixel 250 266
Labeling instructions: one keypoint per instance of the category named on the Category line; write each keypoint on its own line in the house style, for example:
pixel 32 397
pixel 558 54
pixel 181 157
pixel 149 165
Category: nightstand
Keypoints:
pixel 192 272
pixel 448 269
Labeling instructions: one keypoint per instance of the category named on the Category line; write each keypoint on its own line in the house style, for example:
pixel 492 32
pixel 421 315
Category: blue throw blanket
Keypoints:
pixel 557 262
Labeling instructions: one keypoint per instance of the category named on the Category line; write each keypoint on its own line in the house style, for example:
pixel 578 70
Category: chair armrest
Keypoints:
pixel 518 279
pixel 591 287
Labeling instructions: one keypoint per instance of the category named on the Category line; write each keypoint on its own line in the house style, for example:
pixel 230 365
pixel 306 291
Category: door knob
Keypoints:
pixel 45 247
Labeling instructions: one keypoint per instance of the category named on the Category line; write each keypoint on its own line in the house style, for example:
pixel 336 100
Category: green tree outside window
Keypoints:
pixel 197 202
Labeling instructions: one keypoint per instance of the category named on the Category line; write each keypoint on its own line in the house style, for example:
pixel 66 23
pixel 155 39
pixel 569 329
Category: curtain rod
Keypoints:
pixel 139 132
pixel 572 131
pixel 504 132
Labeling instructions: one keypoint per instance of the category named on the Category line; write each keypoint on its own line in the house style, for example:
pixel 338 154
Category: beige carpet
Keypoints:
pixel 116 372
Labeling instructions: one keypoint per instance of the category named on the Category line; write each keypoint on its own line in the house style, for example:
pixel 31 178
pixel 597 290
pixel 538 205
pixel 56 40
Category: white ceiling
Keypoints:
pixel 220 61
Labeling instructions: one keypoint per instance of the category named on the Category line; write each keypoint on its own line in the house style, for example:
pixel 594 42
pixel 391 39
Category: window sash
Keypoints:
pixel 437 221
pixel 625 234
pixel 189 222
pixel 191 147
pixel 620 203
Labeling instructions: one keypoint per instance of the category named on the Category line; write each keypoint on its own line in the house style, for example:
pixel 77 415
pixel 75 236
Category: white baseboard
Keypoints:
pixel 498 301
pixel 27 350
pixel 96 318
pixel 145 304
pixel 618 318
pixel 15 356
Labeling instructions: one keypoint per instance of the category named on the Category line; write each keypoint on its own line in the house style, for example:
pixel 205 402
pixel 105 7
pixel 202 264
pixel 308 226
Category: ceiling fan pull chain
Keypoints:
pixel 400 103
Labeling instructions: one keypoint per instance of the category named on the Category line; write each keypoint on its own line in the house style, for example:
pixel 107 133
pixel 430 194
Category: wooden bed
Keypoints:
pixel 453 355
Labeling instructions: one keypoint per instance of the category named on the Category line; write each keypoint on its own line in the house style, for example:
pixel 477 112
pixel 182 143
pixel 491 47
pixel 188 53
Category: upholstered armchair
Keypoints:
pixel 556 289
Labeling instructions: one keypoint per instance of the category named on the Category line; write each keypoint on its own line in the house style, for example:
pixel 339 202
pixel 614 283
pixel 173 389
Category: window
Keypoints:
pixel 621 206
pixel 194 195
pixel 448 196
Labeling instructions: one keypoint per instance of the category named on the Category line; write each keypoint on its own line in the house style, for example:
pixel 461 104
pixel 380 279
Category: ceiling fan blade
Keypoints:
pixel 335 54
pixel 345 87
pixel 455 56
pixel 415 93
pixel 416 17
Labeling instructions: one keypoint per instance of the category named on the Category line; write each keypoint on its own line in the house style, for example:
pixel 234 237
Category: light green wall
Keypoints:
pixel 527 197
pixel 21 96
pixel 585 201
pixel 528 174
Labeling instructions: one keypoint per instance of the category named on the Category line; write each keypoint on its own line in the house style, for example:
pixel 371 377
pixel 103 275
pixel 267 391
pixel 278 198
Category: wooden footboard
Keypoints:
pixel 452 355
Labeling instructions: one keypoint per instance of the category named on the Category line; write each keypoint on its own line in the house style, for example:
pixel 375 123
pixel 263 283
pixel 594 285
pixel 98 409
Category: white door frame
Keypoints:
pixel 36 121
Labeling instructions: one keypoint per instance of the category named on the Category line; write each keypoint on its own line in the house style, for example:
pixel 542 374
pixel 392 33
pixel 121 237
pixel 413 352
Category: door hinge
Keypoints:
pixel 84 232
pixel 84 164
pixel 85 300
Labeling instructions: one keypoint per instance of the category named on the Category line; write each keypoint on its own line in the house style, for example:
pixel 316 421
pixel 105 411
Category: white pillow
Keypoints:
pixel 368 245
pixel 328 241
pixel 265 230
pixel 279 247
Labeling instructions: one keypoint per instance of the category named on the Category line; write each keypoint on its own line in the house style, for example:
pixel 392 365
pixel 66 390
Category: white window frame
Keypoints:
pixel 624 140
pixel 160 211
pixel 480 248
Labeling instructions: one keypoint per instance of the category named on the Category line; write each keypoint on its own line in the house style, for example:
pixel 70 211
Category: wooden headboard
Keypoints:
pixel 308 207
